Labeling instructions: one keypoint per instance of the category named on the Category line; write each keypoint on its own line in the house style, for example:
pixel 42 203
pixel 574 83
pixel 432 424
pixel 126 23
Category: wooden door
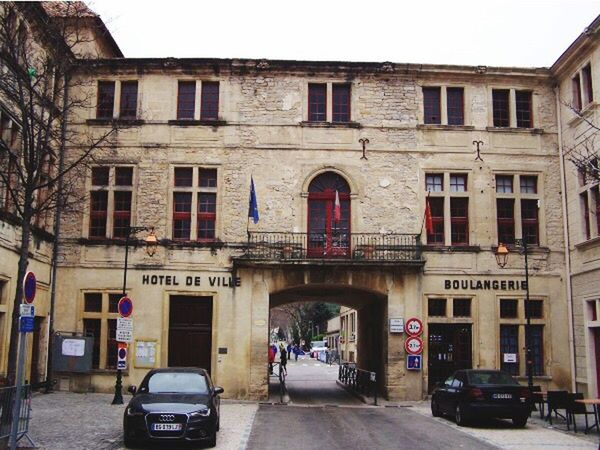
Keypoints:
pixel 450 349
pixel 190 332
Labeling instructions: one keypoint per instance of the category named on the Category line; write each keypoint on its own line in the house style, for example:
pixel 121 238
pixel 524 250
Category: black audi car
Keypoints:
pixel 174 404
pixel 470 394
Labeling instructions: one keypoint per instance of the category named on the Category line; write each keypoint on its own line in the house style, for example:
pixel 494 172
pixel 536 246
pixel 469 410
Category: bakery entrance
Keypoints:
pixel 450 349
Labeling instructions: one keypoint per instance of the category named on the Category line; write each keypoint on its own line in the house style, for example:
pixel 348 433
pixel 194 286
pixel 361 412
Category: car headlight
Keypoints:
pixel 204 412
pixel 132 412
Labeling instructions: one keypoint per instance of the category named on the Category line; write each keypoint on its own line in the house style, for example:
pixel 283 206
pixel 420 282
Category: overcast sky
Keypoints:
pixel 522 33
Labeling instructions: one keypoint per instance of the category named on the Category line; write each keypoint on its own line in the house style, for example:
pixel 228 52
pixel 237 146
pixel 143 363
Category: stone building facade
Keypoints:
pixel 383 187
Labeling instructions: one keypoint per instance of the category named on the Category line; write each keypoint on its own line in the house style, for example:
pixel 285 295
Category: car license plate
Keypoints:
pixel 502 396
pixel 166 427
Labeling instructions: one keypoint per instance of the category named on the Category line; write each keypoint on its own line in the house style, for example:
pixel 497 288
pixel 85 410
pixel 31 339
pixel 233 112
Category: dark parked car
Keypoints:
pixel 470 394
pixel 173 404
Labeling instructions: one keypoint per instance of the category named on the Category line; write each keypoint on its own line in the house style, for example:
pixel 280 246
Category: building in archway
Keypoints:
pixel 344 158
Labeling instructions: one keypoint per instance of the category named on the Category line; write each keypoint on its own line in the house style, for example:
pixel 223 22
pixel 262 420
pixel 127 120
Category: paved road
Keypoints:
pixel 299 428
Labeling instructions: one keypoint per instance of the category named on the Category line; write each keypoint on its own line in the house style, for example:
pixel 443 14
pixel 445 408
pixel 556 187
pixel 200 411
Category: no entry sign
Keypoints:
pixel 125 307
pixel 29 287
pixel 413 345
pixel 414 327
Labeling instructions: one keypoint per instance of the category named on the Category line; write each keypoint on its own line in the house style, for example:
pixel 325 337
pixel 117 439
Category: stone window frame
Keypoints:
pixel 104 315
pixel 116 114
pixel 512 107
pixel 197 99
pixel 589 208
pixel 447 194
pixel 449 317
pixel 582 87
pixel 521 321
pixel 444 104
pixel 111 188
pixel 517 196
pixel 195 189
pixel 329 102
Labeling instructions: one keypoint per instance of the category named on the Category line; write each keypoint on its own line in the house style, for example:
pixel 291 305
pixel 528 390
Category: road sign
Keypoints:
pixel 413 362
pixel 26 310
pixel 29 287
pixel 124 336
pixel 26 324
pixel 124 329
pixel 122 356
pixel 125 307
pixel 413 345
pixel 414 327
pixel 397 325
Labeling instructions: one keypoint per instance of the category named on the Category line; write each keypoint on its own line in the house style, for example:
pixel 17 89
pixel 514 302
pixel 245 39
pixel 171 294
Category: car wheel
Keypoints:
pixel 459 416
pixel 519 421
pixel 435 408
pixel 218 426
pixel 212 442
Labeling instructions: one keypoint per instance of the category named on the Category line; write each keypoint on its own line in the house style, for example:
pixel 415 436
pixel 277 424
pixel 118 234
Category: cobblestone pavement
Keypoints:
pixel 69 421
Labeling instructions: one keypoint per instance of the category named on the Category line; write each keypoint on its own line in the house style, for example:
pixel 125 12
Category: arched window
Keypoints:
pixel 328 233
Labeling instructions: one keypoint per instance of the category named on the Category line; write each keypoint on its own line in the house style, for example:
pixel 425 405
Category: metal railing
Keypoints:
pixel 7 399
pixel 335 245
pixel 360 381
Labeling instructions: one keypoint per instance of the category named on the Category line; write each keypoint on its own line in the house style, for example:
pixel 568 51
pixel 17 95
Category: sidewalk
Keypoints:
pixel 69 421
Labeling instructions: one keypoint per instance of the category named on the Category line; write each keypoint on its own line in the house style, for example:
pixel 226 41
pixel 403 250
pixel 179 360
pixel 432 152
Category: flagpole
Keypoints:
pixel 424 213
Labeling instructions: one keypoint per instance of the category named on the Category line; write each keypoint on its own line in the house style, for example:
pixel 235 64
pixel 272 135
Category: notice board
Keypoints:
pixel 72 353
pixel 146 353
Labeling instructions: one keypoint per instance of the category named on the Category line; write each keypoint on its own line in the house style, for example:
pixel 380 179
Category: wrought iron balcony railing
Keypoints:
pixel 269 246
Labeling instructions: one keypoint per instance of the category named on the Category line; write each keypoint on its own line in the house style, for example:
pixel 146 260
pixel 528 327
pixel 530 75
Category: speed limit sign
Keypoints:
pixel 413 345
pixel 414 327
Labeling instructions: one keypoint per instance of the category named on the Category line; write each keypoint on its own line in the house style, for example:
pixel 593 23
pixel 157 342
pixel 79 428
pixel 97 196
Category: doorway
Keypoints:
pixel 190 331
pixel 449 350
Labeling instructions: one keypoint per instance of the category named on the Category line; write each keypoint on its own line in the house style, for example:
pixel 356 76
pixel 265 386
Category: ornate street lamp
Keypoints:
pixel 502 258
pixel 151 246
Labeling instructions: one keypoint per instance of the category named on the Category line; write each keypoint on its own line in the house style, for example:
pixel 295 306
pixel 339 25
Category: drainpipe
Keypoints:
pixel 567 244
pixel 56 231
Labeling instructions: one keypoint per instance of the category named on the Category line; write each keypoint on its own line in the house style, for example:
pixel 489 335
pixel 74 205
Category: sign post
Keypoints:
pixel 26 316
pixel 124 335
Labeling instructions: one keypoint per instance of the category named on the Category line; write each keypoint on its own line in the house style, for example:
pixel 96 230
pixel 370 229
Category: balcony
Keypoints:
pixel 334 248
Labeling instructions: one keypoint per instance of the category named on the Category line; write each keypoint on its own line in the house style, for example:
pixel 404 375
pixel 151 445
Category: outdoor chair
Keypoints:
pixel 538 399
pixel 558 400
pixel 576 408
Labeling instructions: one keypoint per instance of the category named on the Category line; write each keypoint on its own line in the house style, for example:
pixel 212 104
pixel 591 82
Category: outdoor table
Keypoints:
pixel 595 402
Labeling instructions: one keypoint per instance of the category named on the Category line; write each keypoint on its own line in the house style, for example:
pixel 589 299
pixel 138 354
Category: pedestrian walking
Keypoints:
pixel 296 350
pixel 283 359
pixel 289 350
pixel 272 353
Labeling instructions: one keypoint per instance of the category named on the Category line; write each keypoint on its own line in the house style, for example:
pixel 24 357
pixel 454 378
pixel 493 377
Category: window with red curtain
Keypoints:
pixel 182 215
pixel 341 103
pixel 529 221
pixel 209 105
pixel 317 102
pixel 121 214
pixel 436 206
pixel 128 104
pixel 207 215
pixel 459 221
pixel 500 107
pixel 186 99
pixel 506 220
pixel 106 100
pixel 432 105
pixel 98 213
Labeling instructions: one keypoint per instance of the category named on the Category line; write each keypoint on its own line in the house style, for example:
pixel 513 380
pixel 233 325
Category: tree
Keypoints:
pixel 584 154
pixel 42 85
pixel 304 315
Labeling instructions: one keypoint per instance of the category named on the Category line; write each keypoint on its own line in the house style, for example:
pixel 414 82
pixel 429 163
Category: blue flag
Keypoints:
pixel 253 205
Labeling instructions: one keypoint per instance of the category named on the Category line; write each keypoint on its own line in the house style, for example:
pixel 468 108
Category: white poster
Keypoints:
pixel 510 357
pixel 73 347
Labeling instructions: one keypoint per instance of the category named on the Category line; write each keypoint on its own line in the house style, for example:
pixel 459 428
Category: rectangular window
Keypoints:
pixel 436 307
pixel 106 100
pixel 436 205
pixel 461 307
pixel 123 176
pixel 508 308
pixel 537 349
pixel 528 184
pixel 431 105
pixel 588 88
pixel 341 103
pixel 98 213
pixel 100 176
pixel 434 182
pixel 576 92
pixel 186 99
pixel 504 184
pixel 208 178
pixel 529 221
pixel 523 109
pixel 583 198
pixel 506 220
pixel 455 102
pixel 509 344
pixel 535 309
pixel 182 215
pixel 209 106
pixel 113 302
pixel 317 102
pixel 458 183
pixel 92 302
pixel 183 176
pixel 459 221
pixel 207 213
pixel 501 110
pixel 128 105
pixel 122 214
pixel 91 327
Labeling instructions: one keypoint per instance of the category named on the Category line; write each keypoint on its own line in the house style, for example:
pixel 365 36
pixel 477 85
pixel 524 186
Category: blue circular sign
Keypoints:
pixel 125 307
pixel 122 353
pixel 29 287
